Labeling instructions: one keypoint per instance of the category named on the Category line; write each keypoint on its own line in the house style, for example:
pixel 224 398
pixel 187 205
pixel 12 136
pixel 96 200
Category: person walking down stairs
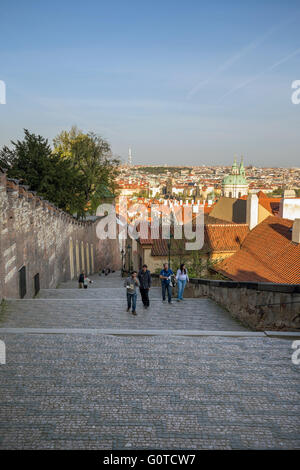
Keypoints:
pixel 166 276
pixel 144 277
pixel 131 284
pixel 182 278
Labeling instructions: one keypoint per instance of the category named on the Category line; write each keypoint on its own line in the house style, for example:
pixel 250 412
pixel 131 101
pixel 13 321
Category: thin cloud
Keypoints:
pixel 236 57
pixel 256 77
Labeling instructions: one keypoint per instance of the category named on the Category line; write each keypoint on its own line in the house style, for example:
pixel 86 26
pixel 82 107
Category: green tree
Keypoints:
pixel 198 262
pixel 142 193
pixel 92 157
pixel 28 160
pixel 276 193
pixel 32 162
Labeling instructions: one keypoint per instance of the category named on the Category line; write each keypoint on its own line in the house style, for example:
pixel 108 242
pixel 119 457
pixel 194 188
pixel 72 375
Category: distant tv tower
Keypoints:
pixel 129 157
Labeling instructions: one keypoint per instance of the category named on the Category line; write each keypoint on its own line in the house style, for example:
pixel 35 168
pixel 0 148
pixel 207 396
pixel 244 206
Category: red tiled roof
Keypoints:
pixel 217 238
pixel 207 209
pixel 225 237
pixel 271 204
pixel 261 194
pixel 267 254
pixel 159 247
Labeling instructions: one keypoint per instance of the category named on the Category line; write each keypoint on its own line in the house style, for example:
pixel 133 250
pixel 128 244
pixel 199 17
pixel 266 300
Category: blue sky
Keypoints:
pixel 181 82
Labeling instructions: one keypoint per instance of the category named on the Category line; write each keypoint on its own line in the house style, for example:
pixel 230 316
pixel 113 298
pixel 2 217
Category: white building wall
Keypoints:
pixel 290 208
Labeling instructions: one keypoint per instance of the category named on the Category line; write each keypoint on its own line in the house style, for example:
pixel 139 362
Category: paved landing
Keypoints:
pixel 104 306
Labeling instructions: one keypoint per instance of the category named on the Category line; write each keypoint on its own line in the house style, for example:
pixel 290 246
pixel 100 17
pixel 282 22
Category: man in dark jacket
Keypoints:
pixel 144 277
pixel 81 280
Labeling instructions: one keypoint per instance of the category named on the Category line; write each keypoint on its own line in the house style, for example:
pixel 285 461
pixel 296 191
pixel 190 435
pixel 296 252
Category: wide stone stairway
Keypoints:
pixel 82 373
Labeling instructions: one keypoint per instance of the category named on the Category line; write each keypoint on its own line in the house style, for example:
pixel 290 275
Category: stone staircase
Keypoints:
pixel 82 373
pixel 103 305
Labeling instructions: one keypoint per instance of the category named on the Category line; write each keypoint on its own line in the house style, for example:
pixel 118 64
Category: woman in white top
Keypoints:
pixel 182 278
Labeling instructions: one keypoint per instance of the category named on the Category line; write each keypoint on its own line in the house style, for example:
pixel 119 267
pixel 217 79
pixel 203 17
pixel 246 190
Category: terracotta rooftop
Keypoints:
pixel 217 238
pixel 266 255
pixel 271 204
pixel 225 237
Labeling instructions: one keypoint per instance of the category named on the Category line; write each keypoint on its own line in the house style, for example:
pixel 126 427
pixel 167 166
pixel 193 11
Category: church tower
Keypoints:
pixel 235 184
pixel 242 169
pixel 234 168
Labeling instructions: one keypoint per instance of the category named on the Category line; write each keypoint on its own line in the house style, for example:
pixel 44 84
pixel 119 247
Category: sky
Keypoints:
pixel 180 82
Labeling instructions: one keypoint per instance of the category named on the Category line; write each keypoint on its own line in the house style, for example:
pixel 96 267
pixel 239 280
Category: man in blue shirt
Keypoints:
pixel 165 276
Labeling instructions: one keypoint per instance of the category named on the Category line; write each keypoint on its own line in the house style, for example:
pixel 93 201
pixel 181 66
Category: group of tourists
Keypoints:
pixel 142 280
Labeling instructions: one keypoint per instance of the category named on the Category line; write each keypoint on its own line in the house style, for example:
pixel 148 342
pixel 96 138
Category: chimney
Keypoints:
pixel 296 231
pixel 290 208
pixel 252 211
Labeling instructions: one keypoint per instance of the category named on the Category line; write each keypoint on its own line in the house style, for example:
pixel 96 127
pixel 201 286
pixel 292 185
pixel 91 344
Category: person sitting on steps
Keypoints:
pixel 86 282
pixel 81 280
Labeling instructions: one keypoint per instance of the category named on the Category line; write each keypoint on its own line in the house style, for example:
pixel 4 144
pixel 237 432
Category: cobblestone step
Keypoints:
pixel 92 293
pixel 191 314
pixel 159 392
pixel 136 332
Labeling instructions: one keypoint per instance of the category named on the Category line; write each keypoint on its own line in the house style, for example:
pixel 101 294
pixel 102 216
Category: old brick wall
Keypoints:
pixel 46 241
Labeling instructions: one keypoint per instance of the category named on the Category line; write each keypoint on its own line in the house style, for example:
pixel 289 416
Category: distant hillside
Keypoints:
pixel 164 169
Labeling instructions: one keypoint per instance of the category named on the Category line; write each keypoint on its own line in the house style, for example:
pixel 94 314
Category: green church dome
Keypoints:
pixel 235 179
pixel 237 176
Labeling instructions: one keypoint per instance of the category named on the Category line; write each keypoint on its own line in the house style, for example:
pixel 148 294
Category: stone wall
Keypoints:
pixel 36 238
pixel 260 306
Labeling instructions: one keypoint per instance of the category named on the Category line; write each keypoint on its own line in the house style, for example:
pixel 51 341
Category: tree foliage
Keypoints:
pixel 76 175
pixel 33 163
pixel 91 156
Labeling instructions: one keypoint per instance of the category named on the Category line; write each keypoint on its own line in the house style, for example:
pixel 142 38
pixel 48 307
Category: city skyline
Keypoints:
pixel 180 83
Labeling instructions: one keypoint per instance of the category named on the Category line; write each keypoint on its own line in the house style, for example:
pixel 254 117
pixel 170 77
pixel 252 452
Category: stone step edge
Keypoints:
pixel 130 332
pixel 174 299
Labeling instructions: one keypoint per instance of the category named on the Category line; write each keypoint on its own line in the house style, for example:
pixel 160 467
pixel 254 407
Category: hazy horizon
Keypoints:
pixel 181 83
